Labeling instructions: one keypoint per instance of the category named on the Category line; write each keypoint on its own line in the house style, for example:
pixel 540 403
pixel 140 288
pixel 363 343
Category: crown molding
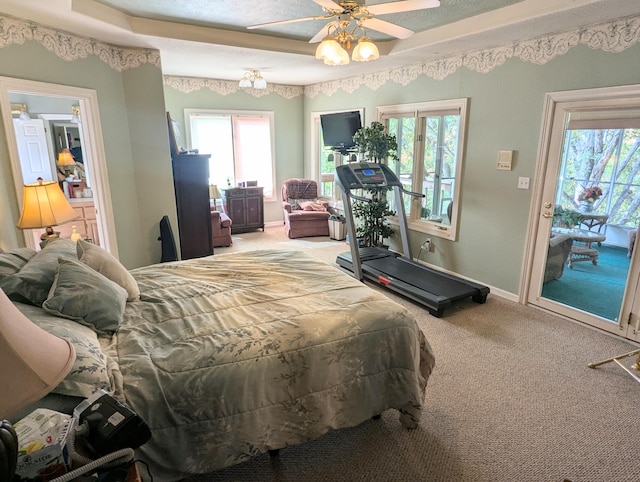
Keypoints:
pixel 68 46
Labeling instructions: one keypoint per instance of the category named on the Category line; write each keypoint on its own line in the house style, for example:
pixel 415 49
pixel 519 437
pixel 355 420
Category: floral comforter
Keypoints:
pixel 229 356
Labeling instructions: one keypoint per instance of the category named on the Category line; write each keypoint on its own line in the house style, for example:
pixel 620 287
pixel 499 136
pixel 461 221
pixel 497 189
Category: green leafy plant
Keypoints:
pixel 377 146
pixel 566 218
pixel 373 227
pixel 375 143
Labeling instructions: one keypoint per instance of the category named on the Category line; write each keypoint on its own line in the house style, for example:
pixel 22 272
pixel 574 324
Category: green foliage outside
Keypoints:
pixel 608 159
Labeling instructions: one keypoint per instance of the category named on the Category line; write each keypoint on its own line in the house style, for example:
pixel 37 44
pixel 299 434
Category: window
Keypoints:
pixel 430 140
pixel 608 158
pixel 240 143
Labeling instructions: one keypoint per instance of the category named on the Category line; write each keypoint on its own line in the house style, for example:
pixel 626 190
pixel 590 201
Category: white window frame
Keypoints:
pixel 269 114
pixel 418 109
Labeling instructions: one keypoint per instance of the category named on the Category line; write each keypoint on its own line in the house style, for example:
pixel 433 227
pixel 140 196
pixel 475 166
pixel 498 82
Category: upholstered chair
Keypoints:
pixel 220 229
pixel 304 214
pixel 559 249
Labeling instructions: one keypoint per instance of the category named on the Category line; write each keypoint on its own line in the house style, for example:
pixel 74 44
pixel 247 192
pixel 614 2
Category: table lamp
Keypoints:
pixel 214 193
pixel 44 206
pixel 65 160
pixel 33 363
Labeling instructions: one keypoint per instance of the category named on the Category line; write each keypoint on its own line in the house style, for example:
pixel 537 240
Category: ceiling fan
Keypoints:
pixel 348 11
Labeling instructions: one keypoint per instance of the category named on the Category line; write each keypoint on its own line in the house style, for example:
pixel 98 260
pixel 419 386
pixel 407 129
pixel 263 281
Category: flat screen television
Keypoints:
pixel 338 129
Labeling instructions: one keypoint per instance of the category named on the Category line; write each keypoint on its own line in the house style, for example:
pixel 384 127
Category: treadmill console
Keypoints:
pixel 363 175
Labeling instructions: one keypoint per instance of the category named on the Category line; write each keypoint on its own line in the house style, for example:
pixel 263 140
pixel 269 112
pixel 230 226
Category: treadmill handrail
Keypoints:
pixel 411 193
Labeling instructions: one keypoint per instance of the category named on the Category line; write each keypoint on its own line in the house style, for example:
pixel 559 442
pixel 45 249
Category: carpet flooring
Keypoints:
pixel 511 399
pixel 597 289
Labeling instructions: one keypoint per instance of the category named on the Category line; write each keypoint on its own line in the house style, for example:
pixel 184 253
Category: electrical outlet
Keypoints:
pixel 427 244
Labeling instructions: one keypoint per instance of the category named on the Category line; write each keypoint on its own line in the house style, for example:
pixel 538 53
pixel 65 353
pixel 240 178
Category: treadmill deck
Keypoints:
pixel 434 289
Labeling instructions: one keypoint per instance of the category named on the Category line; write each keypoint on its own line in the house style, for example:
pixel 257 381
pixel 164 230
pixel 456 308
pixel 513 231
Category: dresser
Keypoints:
pixel 86 224
pixel 191 184
pixel 245 207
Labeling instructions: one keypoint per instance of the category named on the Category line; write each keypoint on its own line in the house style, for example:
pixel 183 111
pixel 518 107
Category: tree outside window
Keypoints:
pixel 608 159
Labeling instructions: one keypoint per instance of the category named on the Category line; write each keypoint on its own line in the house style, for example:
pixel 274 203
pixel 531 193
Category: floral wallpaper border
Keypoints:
pixel 187 85
pixel 69 47
pixel 613 36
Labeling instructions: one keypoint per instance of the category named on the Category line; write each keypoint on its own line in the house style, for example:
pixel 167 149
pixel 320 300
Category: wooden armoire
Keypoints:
pixel 191 183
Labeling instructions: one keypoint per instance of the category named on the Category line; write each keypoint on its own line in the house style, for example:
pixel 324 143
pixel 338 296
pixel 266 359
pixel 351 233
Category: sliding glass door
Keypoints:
pixel 584 264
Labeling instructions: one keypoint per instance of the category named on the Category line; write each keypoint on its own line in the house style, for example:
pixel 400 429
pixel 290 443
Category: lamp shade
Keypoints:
pixel 44 205
pixel 65 158
pixel 33 361
pixel 214 192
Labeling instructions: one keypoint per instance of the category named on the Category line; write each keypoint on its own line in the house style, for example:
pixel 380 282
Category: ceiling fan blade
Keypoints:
pixel 388 28
pixel 291 20
pixel 401 6
pixel 329 5
pixel 324 31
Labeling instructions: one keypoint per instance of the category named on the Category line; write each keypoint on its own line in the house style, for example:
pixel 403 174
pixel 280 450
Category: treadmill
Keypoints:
pixel 434 289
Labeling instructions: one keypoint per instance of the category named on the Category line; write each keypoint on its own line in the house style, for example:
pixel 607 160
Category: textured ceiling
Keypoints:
pixel 209 38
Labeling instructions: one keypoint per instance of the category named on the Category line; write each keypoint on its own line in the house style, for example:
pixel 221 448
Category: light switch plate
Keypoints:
pixel 523 183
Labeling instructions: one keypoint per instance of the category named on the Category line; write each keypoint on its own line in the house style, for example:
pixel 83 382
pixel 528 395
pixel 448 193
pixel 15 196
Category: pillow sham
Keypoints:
pixel 81 294
pixel 90 370
pixel 13 260
pixel 106 264
pixel 32 283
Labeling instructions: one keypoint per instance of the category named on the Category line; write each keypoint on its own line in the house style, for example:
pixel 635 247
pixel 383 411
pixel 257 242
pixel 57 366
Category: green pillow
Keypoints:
pixel 105 263
pixel 81 294
pixel 13 260
pixel 32 283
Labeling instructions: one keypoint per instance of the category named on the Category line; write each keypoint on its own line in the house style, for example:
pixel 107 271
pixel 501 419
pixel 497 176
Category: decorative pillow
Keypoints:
pixel 32 283
pixel 312 206
pixel 105 263
pixel 13 260
pixel 90 370
pixel 86 296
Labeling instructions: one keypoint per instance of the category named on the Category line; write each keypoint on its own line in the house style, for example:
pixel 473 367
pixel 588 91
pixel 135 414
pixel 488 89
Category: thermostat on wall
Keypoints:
pixel 504 160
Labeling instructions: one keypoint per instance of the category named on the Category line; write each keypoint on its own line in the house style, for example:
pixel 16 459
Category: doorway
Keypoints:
pixel 582 262
pixel 74 112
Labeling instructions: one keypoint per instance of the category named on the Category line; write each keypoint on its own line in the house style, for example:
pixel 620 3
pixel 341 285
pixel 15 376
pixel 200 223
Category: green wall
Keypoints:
pixel 136 145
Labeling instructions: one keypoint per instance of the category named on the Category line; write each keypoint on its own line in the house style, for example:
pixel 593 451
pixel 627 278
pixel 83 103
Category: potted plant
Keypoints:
pixel 376 145
pixel 566 218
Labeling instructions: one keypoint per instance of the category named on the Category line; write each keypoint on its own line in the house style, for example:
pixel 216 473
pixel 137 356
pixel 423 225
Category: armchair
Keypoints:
pixel 220 229
pixel 559 250
pixel 304 215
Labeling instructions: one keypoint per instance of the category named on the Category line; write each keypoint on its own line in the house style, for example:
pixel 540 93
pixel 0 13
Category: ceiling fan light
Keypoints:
pixel 365 51
pixel 340 57
pixel 327 49
pixel 259 83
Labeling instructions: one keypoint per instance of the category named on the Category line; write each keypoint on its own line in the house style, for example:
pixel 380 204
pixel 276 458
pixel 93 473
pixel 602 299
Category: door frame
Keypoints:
pixel 556 107
pixel 93 140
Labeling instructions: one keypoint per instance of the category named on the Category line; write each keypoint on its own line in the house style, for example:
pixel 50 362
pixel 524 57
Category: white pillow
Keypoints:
pixel 106 264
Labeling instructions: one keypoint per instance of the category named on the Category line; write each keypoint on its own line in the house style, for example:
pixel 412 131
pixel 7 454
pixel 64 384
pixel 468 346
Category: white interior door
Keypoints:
pixel 590 139
pixel 33 150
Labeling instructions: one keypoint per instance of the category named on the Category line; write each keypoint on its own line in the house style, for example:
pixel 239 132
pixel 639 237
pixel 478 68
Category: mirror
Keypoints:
pixel 60 119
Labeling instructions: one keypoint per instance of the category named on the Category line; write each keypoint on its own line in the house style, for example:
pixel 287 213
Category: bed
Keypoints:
pixel 228 356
